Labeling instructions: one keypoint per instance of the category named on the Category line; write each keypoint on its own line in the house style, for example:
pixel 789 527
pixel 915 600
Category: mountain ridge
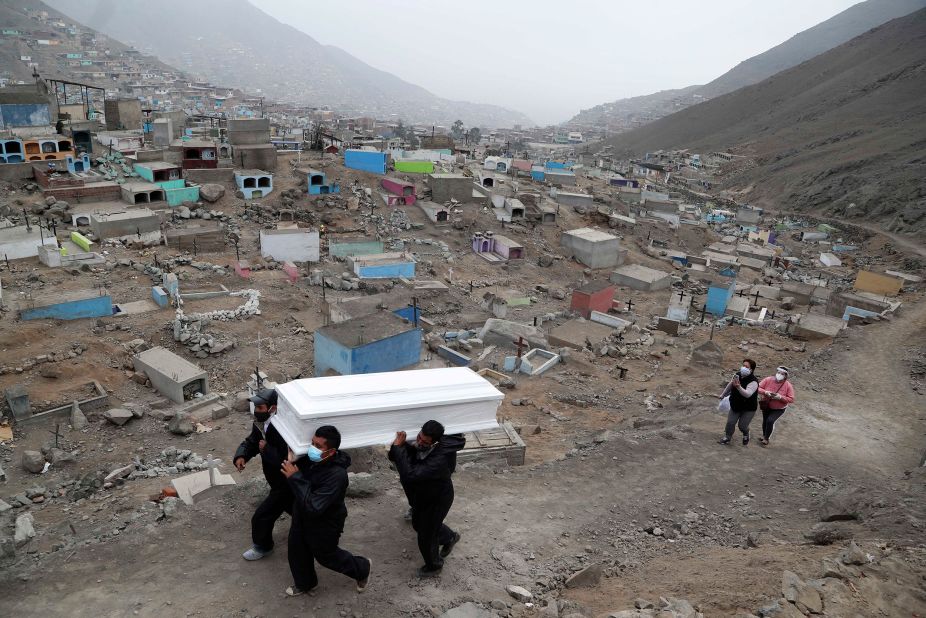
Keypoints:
pixel 249 49
pixel 839 134
pixel 842 27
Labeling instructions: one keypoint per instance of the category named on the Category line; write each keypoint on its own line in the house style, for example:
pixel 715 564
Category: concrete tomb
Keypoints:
pixel 172 376
pixel 594 248
pixel 254 183
pixel 593 296
pixel 290 244
pixel 642 278
pixel 368 344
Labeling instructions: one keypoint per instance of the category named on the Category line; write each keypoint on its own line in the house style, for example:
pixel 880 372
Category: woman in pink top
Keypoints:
pixel 775 394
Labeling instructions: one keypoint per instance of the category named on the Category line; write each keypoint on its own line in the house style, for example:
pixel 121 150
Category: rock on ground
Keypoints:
pixel 589 576
pixel 801 594
pixel 33 461
pixel 118 416
pixel 78 420
pixel 211 192
pixel 521 594
pixel 181 425
pixel 361 485
pixel 708 353
pixel 25 530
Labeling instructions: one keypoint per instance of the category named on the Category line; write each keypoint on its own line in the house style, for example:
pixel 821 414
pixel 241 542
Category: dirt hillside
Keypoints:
pixel 840 134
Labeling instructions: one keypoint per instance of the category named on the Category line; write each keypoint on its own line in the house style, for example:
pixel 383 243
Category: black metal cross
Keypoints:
pixel 57 433
pixel 629 304
pixel 681 294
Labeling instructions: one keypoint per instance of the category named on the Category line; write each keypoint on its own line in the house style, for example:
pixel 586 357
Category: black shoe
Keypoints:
pixel 427 571
pixel 724 441
pixel 746 440
pixel 446 549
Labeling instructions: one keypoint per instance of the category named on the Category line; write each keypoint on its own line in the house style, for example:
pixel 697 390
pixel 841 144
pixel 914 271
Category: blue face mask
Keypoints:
pixel 314 453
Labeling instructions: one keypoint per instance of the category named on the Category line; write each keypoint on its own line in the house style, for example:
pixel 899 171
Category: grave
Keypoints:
pixel 438 215
pixel 668 326
pixel 577 334
pixel 343 247
pixel 382 266
pixel 17 398
pixel 885 285
pixel 254 183
pixel 641 278
pixel 593 296
pixel 537 361
pixel 17 242
pixel 618 324
pixel 398 192
pixel 318 183
pixel 95 398
pixel 205 236
pixel 450 187
pixel 679 306
pixel 141 192
pixel 290 244
pixel 172 376
pixel 829 260
pixel 453 356
pixel 140 223
pixel 817 326
pixel 499 447
pixel 67 305
pixel 594 248
pixel 368 344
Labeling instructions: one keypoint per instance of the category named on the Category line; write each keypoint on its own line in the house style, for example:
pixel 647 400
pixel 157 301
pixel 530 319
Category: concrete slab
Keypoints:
pixel 668 326
pixel 195 487
pixel 642 278
pixel 607 319
pixel 135 307
pixel 576 334
pixel 537 361
pixel 817 326
pixel 867 281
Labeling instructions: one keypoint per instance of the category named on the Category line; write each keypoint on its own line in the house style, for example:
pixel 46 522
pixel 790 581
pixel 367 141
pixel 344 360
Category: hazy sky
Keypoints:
pixel 551 59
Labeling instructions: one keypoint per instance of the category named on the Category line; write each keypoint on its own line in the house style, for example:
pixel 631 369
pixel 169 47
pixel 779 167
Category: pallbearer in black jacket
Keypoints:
pixel 425 467
pixel 319 484
pixel 265 440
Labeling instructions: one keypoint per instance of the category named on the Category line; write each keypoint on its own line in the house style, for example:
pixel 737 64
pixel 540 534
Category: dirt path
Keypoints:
pixel 535 525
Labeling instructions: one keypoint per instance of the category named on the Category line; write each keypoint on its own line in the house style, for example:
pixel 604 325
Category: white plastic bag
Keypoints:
pixel 724 405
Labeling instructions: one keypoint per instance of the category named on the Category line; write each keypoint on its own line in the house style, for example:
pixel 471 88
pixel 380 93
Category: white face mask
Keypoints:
pixel 745 371
pixel 780 377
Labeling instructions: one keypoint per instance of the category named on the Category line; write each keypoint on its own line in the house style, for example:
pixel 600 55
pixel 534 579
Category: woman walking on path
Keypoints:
pixel 776 393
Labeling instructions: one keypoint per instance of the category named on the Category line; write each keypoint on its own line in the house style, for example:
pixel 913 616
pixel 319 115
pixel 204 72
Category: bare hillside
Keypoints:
pixel 803 46
pixel 844 128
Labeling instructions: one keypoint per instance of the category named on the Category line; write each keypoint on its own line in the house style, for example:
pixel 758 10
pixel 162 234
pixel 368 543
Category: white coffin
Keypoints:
pixel 368 409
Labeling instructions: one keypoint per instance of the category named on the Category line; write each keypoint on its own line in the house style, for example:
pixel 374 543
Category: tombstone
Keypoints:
pixel 668 326
pixel 17 398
